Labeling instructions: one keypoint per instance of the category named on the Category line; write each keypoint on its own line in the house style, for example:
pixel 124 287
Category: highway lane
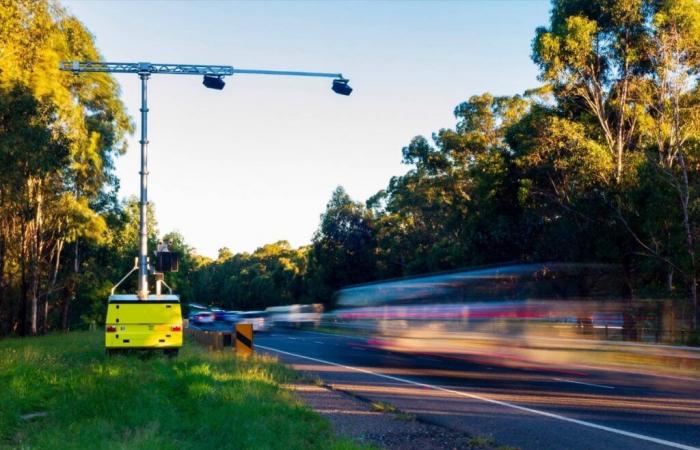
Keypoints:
pixel 530 408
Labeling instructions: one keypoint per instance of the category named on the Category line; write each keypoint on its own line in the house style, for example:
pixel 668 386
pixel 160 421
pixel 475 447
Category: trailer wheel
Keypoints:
pixel 171 352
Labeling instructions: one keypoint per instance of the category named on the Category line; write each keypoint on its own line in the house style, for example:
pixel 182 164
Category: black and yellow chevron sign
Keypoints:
pixel 244 339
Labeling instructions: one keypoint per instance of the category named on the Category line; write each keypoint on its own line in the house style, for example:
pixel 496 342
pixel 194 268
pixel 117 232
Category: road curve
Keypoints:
pixel 526 408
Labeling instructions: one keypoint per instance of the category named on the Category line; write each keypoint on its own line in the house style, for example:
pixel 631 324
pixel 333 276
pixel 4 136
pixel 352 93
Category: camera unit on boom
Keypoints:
pixel 142 320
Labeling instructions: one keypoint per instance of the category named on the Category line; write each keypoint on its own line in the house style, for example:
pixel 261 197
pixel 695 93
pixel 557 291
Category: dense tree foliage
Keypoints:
pixel 271 275
pixel 343 249
pixel 59 135
pixel 600 163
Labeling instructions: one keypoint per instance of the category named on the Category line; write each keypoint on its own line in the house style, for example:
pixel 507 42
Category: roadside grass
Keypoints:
pixel 382 407
pixel 479 442
pixel 63 392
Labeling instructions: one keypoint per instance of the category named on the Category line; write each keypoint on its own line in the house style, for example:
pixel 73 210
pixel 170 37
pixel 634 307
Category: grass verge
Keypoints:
pixel 61 391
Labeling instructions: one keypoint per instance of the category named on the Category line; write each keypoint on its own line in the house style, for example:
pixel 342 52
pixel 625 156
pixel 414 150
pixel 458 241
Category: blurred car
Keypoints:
pixel 295 316
pixel 219 314
pixel 256 318
pixel 202 317
pixel 231 316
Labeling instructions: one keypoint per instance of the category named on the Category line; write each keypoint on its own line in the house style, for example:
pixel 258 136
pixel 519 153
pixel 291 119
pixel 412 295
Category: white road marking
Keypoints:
pixel 495 402
pixel 587 384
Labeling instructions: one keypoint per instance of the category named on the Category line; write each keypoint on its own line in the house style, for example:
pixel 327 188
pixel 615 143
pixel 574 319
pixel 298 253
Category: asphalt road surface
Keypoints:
pixel 525 408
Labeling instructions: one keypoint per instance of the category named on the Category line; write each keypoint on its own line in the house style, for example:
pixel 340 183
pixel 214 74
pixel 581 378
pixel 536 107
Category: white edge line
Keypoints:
pixel 495 402
pixel 587 384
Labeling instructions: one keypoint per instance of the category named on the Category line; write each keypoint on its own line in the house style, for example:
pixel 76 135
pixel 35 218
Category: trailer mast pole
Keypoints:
pixel 144 71
pixel 143 202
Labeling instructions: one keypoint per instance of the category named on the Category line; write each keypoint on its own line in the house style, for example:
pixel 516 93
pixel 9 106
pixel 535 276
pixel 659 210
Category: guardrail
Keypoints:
pixel 239 340
pixel 213 340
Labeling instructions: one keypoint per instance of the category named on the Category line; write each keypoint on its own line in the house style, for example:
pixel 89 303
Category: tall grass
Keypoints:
pixel 82 399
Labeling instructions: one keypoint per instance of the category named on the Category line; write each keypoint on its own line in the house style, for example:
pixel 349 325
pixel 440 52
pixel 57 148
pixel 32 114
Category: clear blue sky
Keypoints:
pixel 257 162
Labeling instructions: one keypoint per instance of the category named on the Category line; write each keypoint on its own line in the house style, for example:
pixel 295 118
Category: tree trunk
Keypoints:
pixel 684 194
pixel 694 304
pixel 3 249
pixel 35 253
pixel 70 288
pixel 54 278
pixel 618 172
pixel 23 311
pixel 69 293
pixel 45 324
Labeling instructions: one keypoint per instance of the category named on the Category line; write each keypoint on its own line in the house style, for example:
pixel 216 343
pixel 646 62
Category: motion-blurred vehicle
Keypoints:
pixel 256 318
pixel 295 316
pixel 219 314
pixel 231 316
pixel 522 312
pixel 202 317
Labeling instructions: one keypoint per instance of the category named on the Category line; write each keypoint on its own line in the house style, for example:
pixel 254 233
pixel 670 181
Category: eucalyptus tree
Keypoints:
pixel 627 72
pixel 343 248
pixel 59 161
pixel 457 204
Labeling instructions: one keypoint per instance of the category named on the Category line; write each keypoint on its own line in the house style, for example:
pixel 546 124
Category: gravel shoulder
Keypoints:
pixel 381 425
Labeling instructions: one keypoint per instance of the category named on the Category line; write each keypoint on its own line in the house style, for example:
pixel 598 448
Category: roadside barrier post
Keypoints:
pixel 244 339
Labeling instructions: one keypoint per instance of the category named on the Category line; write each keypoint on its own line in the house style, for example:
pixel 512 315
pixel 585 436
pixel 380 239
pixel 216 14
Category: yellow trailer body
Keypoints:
pixel 154 323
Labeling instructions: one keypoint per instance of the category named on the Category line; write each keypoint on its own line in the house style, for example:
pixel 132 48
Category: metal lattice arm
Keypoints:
pixel 180 69
pixel 212 79
pixel 145 67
